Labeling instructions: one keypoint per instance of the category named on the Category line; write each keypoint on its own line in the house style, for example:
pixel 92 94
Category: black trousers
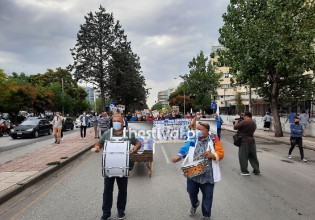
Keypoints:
pixel 297 141
pixel 83 131
pixel 122 183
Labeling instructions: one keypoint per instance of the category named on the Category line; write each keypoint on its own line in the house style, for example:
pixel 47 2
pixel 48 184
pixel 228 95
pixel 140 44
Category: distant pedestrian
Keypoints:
pixel 84 123
pixel 267 121
pixel 291 117
pixel 57 127
pixel 304 120
pixel 219 122
pixel 296 138
pixel 247 151
pixel 104 122
pixel 94 121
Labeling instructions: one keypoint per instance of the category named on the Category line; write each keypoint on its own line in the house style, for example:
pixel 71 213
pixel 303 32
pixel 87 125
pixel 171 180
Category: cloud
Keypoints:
pixel 37 34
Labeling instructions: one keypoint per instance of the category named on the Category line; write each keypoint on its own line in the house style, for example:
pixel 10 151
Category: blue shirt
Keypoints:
pixel 218 120
pixel 291 117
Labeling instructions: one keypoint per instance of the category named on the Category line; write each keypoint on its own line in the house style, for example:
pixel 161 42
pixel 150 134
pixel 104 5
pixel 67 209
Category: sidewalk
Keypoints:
pixel 308 142
pixel 21 172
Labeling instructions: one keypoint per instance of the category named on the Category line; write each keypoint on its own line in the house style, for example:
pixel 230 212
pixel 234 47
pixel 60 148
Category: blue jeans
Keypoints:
pixel 122 183
pixel 207 195
pixel 219 132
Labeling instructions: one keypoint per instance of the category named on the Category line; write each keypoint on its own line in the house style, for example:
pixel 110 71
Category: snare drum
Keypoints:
pixel 115 161
pixel 195 168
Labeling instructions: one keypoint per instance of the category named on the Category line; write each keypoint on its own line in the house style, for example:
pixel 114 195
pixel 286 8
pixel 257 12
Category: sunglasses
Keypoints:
pixel 205 125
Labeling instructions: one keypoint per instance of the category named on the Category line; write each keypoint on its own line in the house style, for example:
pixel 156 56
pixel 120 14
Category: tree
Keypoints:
pixel 3 76
pixel 157 106
pixel 100 45
pixel 240 107
pixel 202 81
pixel 177 98
pixel 270 56
pixel 124 76
pixel 70 97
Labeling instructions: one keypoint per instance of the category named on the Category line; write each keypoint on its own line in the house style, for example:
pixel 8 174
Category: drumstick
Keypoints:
pixel 199 155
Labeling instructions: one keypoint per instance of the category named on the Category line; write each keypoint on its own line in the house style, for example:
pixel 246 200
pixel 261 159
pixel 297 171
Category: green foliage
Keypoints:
pixel 3 76
pixel 240 107
pixel 157 106
pixel 201 82
pixel 124 76
pixel 41 92
pixel 103 57
pixel 270 44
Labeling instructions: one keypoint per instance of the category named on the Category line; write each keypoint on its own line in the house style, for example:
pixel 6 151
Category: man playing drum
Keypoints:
pixel 122 182
pixel 202 147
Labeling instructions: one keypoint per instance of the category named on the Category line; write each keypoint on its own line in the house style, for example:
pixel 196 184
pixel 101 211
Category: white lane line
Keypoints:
pixel 165 155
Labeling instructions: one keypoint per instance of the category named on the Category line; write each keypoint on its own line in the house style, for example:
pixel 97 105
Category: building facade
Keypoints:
pixel 226 94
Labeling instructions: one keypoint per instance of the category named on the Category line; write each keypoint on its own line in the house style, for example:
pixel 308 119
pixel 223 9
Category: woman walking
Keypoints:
pixel 84 123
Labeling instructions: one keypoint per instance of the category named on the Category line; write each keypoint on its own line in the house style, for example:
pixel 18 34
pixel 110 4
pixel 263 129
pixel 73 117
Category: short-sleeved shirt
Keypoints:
pixel 304 118
pixel 106 137
pixel 57 121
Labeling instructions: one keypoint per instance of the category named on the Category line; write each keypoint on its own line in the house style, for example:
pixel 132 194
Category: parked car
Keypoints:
pixel 32 128
pixel 5 126
pixel 67 124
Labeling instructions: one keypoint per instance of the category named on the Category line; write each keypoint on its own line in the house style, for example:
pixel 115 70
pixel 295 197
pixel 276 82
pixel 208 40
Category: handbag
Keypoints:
pixel 237 140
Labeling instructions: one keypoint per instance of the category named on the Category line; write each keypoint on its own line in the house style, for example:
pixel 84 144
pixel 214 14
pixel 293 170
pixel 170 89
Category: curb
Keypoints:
pixel 24 184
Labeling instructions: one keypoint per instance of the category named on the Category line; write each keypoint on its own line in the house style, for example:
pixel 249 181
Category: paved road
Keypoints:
pixel 285 190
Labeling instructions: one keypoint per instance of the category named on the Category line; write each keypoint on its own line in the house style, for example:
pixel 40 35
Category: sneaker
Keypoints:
pixel 290 157
pixel 244 174
pixel 192 210
pixel 121 215
pixel 303 160
pixel 84 138
pixel 106 218
pixel 80 138
pixel 206 218
pixel 256 173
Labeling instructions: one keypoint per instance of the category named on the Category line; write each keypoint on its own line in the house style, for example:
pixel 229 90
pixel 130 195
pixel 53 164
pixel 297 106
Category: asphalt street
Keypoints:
pixel 285 190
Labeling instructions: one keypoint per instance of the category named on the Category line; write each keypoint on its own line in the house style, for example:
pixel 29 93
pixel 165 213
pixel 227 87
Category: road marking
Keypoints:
pixel 165 155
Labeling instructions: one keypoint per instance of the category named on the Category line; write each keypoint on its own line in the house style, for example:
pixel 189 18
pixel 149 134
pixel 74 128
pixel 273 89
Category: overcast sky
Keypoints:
pixel 36 35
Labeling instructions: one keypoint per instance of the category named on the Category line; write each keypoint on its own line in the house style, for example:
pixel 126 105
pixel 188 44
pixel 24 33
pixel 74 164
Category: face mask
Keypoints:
pixel 138 116
pixel 198 116
pixel 296 122
pixel 199 133
pixel 117 125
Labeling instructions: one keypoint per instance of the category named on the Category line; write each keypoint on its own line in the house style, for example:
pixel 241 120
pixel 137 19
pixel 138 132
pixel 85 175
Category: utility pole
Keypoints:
pixel 63 108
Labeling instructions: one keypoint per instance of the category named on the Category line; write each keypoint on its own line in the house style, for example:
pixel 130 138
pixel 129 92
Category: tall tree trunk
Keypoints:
pixel 274 110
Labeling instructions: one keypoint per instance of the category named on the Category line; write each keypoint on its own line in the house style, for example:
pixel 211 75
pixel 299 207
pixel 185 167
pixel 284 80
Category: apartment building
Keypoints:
pixel 226 93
